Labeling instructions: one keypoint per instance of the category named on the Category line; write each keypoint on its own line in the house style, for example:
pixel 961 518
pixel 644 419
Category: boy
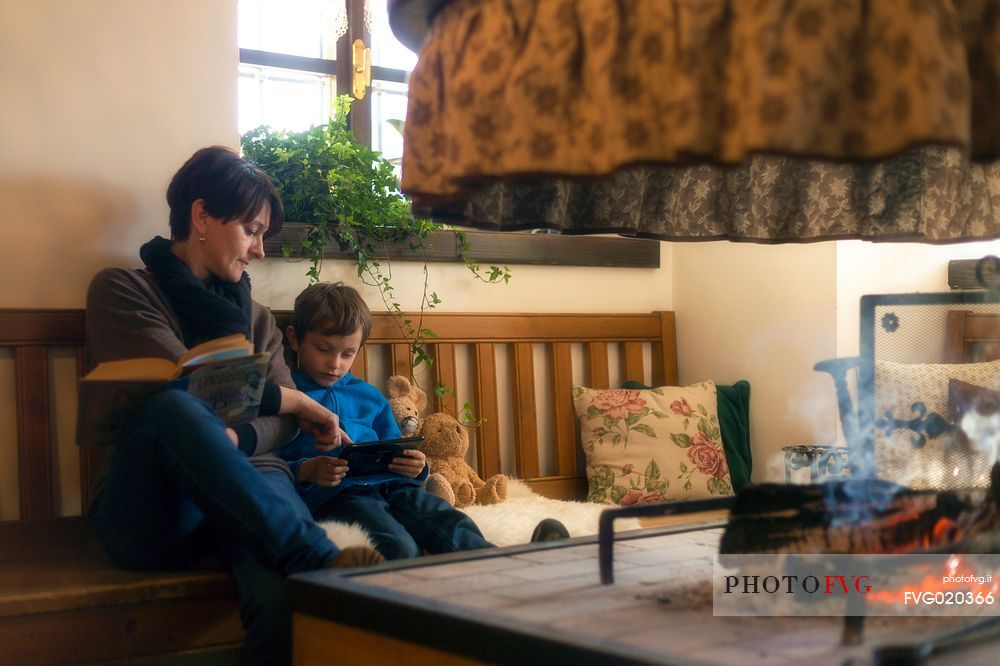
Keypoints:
pixel 330 323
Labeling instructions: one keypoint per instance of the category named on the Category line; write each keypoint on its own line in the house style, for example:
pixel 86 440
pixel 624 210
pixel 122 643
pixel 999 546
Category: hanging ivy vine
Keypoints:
pixel 349 195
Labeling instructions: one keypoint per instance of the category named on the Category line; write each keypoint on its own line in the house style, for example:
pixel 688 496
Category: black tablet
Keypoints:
pixel 368 458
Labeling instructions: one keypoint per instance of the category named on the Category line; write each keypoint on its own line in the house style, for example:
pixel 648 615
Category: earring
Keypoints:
pixel 202 237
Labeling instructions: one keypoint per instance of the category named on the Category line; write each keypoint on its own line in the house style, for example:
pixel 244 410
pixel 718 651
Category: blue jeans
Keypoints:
pixel 178 489
pixel 404 520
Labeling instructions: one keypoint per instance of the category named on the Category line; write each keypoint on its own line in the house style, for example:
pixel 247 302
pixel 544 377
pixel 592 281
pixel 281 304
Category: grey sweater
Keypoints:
pixel 129 317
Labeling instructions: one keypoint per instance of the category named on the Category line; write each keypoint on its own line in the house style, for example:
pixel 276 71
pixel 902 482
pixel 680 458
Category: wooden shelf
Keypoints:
pixel 501 248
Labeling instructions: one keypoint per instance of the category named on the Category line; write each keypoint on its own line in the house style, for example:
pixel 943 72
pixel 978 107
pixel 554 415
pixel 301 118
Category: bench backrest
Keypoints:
pixel 517 370
pixel 972 337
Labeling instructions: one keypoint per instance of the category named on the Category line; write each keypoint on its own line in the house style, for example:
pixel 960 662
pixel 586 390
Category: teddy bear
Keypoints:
pixel 445 445
pixel 407 401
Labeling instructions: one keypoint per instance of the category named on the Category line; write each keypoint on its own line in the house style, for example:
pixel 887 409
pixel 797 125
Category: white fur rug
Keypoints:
pixel 510 522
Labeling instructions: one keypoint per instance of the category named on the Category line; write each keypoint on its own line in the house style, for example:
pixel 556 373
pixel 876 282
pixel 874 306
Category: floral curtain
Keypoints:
pixel 760 120
pixel 927 194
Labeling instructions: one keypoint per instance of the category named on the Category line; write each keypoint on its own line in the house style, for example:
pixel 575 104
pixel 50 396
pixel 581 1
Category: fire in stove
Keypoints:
pixel 863 515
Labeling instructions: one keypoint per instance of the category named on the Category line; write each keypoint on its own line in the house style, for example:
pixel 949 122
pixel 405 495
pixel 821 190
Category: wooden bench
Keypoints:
pixel 972 337
pixel 61 599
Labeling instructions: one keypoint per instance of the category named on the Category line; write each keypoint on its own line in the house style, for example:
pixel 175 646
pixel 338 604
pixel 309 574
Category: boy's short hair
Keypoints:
pixel 332 308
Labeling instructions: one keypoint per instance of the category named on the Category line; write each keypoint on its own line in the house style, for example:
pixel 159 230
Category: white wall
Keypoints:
pixel 102 101
pixel 531 289
pixel 767 314
pixel 896 268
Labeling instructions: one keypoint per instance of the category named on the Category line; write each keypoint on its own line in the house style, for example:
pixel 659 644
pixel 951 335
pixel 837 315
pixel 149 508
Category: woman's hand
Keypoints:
pixel 314 419
pixel 409 464
pixel 323 471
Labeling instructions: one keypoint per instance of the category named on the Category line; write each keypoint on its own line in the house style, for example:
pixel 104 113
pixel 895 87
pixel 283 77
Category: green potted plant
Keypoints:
pixel 348 195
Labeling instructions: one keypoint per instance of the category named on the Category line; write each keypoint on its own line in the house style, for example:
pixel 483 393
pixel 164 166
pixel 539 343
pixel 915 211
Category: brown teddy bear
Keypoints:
pixel 407 401
pixel 445 445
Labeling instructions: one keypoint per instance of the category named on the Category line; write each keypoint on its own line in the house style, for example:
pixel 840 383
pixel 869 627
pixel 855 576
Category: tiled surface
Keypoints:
pixel 660 601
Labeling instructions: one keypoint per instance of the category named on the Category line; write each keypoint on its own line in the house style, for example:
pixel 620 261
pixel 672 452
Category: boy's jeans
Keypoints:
pixel 404 520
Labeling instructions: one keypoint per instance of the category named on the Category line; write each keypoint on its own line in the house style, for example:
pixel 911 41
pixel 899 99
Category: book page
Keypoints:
pixel 134 368
pixel 219 349
pixel 232 388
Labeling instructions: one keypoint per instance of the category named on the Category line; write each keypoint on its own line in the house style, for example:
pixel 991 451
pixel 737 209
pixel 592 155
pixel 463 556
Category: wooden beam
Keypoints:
pixel 487 247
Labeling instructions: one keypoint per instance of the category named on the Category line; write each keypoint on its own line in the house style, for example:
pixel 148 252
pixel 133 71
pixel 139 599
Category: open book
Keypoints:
pixel 224 372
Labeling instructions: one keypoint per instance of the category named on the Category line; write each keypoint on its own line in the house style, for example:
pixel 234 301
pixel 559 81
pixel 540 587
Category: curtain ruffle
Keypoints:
pixel 927 194
pixel 555 90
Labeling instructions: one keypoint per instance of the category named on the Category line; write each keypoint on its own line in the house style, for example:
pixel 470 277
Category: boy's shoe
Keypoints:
pixel 549 529
pixel 357 556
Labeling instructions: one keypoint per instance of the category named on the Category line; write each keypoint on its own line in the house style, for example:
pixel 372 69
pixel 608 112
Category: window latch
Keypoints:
pixel 361 76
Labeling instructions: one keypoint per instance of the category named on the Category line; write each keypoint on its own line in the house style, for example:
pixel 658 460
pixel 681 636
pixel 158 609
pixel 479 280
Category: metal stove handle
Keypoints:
pixel 919 653
pixel 606 527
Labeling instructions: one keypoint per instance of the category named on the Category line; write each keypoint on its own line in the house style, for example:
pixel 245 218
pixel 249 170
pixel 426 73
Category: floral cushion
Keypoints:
pixel 652 445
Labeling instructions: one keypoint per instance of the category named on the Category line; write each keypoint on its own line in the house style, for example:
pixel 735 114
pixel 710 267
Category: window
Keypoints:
pixel 297 56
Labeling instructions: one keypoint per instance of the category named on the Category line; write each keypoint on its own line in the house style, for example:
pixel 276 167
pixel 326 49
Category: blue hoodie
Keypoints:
pixel 364 415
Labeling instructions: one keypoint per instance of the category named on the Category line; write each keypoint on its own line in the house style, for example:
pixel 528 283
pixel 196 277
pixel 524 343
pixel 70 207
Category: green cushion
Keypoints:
pixel 734 422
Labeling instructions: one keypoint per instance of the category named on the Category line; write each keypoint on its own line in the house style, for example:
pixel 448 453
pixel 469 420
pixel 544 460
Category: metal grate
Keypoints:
pixel 929 388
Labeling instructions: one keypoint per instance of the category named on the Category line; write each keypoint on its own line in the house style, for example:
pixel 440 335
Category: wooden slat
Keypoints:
pixel 954 336
pixel 91 457
pixel 360 367
pixel 34 454
pixel 562 408
pixel 597 364
pixel 632 362
pixel 525 417
pixel 668 348
pixel 487 411
pixel 402 360
pixel 981 326
pixel 444 373
pixel 971 336
pixel 657 370
pixel 988 351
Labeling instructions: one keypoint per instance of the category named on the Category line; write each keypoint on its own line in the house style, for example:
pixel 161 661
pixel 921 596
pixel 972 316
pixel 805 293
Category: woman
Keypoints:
pixel 181 484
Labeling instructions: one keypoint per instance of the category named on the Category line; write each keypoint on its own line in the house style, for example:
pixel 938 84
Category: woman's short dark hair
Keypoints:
pixel 332 308
pixel 232 187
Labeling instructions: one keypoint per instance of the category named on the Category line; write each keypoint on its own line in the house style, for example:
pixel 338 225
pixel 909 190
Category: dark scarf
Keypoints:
pixel 206 311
